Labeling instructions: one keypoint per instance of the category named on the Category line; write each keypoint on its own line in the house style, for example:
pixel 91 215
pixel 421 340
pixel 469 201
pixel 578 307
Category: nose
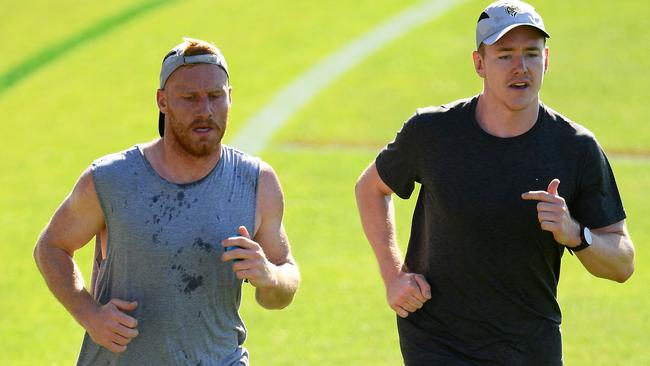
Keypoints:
pixel 520 66
pixel 204 109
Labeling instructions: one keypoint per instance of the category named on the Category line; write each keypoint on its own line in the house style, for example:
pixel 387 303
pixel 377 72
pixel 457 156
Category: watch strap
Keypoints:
pixel 583 242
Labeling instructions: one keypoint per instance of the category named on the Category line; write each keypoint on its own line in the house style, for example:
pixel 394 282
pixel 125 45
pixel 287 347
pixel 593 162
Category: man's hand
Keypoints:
pixel 251 262
pixel 111 328
pixel 407 292
pixel 553 215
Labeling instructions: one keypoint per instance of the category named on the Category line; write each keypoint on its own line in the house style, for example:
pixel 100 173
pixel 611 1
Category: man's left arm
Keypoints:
pixel 611 253
pixel 265 259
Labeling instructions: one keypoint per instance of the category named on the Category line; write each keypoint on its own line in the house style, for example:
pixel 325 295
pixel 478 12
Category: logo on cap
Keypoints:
pixel 512 10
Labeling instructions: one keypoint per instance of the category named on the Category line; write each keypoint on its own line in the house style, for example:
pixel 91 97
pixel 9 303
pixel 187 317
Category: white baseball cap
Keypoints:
pixel 502 16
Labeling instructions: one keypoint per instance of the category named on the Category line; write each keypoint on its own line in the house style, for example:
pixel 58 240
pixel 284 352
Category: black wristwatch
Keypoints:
pixel 585 240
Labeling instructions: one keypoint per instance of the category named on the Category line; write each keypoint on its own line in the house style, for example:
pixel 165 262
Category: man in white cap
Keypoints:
pixel 180 222
pixel 492 221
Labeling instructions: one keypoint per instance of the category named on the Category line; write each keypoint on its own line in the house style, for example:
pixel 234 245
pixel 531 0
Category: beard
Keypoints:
pixel 194 146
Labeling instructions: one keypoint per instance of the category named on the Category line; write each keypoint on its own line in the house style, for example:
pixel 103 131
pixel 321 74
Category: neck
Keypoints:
pixel 176 165
pixel 499 120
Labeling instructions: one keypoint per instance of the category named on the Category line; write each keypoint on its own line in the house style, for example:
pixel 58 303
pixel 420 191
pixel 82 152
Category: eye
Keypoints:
pixel 216 95
pixel 504 57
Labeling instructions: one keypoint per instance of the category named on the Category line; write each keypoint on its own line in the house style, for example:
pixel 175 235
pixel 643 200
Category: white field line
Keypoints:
pixel 256 133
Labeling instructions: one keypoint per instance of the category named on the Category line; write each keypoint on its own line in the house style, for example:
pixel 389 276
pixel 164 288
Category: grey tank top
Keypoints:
pixel 164 251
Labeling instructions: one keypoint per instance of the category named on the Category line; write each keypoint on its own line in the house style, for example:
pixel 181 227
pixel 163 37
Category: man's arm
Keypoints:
pixel 73 225
pixel 611 254
pixel 406 292
pixel 266 260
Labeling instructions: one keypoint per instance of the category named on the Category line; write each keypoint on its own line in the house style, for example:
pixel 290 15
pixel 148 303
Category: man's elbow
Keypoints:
pixel 37 253
pixel 626 270
pixel 45 251
pixel 279 297
pixel 625 276
pixel 363 188
pixel 275 302
pixel 359 187
pixel 276 305
pixel 625 273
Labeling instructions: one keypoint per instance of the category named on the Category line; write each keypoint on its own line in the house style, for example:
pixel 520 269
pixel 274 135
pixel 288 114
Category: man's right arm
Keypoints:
pixel 73 225
pixel 406 292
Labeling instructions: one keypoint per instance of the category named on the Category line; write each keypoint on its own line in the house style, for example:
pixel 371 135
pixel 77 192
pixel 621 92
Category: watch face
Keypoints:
pixel 587 234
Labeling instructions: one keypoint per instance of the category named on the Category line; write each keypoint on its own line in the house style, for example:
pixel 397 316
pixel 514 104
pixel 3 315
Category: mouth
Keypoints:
pixel 519 85
pixel 202 129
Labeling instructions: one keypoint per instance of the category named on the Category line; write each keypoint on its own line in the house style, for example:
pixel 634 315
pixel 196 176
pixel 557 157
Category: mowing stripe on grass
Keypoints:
pixel 50 54
pixel 258 130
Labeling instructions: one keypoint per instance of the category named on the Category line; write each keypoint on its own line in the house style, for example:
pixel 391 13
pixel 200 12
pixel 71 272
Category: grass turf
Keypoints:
pixel 100 98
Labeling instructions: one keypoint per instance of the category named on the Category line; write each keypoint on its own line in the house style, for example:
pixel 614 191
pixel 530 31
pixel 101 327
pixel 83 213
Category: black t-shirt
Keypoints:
pixel 493 272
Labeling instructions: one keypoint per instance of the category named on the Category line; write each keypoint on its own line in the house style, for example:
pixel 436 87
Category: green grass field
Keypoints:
pixel 79 81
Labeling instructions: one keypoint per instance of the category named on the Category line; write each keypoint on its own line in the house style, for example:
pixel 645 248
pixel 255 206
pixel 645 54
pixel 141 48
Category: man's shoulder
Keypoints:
pixel 564 125
pixel 114 169
pixel 444 113
pixel 448 108
pixel 231 150
pixel 116 158
pixel 440 116
pixel 237 156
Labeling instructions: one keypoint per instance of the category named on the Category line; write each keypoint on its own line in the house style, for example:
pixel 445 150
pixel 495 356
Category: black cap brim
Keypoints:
pixel 161 124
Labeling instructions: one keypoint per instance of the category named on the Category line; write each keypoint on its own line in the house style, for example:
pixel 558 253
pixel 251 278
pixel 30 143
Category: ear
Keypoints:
pixel 161 99
pixel 545 59
pixel 478 64
pixel 230 94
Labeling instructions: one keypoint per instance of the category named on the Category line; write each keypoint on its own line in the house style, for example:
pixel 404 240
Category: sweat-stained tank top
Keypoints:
pixel 164 251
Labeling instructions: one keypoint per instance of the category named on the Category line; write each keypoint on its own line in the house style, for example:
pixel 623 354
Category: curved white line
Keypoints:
pixel 258 130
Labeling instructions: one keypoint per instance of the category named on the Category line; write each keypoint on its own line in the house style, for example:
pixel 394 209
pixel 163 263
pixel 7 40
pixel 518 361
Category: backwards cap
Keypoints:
pixel 176 58
pixel 502 16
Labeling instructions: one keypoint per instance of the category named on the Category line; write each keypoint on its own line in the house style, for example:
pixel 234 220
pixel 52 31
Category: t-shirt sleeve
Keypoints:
pixel 397 162
pixel 598 202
